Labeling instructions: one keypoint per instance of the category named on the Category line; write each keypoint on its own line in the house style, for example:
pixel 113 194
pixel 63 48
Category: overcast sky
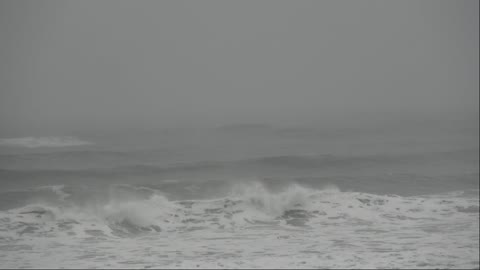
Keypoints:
pixel 89 64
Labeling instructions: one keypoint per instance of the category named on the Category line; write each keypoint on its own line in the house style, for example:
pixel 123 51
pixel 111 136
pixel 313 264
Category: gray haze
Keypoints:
pixel 71 65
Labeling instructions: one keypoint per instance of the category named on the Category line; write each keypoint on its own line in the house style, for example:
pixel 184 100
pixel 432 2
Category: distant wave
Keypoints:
pixel 34 142
pixel 315 161
pixel 296 162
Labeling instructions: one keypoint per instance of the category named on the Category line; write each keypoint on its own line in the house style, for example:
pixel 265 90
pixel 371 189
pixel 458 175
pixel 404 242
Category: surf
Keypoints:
pixel 143 210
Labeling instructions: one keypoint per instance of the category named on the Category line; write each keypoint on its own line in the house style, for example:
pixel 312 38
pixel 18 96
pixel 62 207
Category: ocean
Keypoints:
pixel 241 196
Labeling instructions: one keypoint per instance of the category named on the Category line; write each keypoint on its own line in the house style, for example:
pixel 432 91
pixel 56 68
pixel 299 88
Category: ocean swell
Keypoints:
pixel 34 142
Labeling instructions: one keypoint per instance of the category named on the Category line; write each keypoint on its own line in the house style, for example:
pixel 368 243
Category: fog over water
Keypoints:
pixel 239 134
pixel 69 65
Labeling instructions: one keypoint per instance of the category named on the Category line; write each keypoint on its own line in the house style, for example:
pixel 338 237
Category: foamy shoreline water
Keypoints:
pixel 253 228
pixel 275 202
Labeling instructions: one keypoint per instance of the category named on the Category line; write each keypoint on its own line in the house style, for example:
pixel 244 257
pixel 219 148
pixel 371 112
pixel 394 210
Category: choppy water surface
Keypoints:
pixel 264 199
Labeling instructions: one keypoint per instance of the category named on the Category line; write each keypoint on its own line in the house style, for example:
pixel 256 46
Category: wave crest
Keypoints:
pixel 247 205
pixel 273 203
pixel 34 142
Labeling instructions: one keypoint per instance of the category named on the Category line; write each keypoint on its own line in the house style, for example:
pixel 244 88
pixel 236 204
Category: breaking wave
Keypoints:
pixel 147 210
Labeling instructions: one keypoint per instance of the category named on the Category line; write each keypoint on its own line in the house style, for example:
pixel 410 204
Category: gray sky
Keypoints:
pixel 89 64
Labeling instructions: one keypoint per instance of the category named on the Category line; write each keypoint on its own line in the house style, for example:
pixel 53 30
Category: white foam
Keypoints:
pixel 274 204
pixel 58 190
pixel 350 230
pixel 34 142
pixel 142 213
